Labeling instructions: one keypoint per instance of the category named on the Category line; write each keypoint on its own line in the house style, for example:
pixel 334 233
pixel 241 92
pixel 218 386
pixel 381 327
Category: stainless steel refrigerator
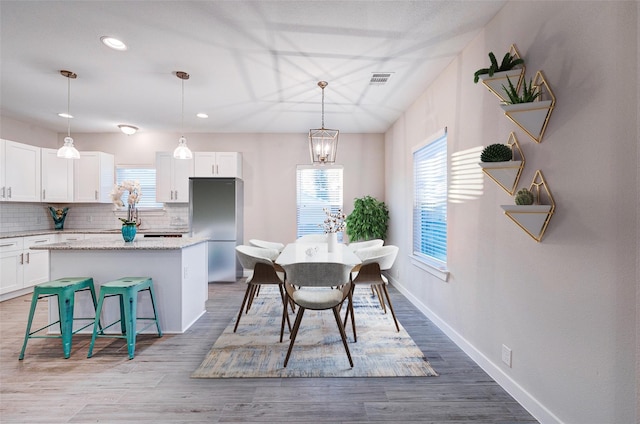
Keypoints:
pixel 215 212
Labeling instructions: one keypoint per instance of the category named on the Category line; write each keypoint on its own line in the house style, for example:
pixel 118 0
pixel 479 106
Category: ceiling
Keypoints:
pixel 254 65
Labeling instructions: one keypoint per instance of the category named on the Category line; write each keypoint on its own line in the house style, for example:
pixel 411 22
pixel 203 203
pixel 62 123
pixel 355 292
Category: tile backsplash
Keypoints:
pixel 17 216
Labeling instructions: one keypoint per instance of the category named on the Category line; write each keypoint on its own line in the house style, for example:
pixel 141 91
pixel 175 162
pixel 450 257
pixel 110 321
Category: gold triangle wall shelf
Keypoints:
pixel 533 117
pixel 494 83
pixel 507 174
pixel 533 219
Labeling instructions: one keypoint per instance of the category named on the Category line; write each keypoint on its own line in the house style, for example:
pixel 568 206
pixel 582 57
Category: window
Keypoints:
pixel 430 202
pixel 317 188
pixel 147 179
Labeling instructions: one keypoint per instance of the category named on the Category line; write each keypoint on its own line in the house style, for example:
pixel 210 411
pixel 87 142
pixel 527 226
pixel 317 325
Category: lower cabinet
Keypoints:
pixel 21 267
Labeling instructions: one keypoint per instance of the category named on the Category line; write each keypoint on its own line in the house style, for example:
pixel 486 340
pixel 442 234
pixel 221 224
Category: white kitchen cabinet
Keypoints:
pixel 94 177
pixel 11 258
pixel 21 267
pixel 21 172
pixel 36 262
pixel 69 237
pixel 172 178
pixel 217 164
pixel 57 177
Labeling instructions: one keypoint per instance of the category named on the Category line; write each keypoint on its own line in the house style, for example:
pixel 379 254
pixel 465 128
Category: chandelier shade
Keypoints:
pixel 68 150
pixel 182 151
pixel 323 142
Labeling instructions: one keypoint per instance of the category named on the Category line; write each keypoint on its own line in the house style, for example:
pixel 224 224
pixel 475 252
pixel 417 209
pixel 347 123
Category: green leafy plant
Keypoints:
pixel 524 197
pixel 528 94
pixel 496 153
pixel 509 62
pixel 369 219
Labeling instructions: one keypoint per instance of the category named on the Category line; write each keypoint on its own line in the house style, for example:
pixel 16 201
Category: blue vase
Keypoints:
pixel 128 232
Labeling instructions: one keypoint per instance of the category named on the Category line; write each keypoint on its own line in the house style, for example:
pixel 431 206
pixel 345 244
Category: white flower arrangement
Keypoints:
pixel 135 192
pixel 334 222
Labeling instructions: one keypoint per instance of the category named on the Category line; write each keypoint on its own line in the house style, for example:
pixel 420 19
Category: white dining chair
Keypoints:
pixel 267 244
pixel 357 245
pixel 369 272
pixel 263 271
pixel 317 286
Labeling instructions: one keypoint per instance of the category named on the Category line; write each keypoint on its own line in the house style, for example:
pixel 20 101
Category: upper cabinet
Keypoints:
pixel 94 177
pixel 172 178
pixel 217 164
pixel 20 172
pixel 57 177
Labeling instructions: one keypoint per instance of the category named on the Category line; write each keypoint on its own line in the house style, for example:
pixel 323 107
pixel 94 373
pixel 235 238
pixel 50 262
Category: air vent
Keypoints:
pixel 380 78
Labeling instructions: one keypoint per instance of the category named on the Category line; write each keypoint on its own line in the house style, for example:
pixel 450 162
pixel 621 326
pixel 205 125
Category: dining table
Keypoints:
pixel 301 252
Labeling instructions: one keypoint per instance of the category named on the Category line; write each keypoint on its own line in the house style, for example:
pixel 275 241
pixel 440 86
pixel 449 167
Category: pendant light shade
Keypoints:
pixel 182 151
pixel 323 143
pixel 68 150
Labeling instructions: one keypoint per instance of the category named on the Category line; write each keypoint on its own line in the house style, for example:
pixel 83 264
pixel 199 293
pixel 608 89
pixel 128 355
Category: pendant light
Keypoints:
pixel 182 151
pixel 68 151
pixel 323 143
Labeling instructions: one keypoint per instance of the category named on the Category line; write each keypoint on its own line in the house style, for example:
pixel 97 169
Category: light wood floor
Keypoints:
pixel 155 385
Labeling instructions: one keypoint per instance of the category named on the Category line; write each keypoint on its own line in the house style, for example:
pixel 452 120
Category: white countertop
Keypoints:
pixel 140 243
pixel 27 233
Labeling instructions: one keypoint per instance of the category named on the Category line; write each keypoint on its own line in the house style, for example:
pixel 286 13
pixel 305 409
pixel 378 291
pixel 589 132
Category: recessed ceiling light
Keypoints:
pixel 65 115
pixel 113 43
pixel 202 115
pixel 128 129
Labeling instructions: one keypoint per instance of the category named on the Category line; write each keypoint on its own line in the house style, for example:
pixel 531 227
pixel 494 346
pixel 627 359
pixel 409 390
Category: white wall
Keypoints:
pixel 565 306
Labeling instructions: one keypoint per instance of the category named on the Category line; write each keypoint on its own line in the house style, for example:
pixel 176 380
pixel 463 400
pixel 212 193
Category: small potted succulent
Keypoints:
pixel 496 153
pixel 524 197
pixel 526 107
pixel 509 62
pixel 503 163
pixel 528 94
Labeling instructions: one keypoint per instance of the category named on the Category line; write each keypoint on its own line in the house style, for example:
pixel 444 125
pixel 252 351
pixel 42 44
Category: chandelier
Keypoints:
pixel 323 142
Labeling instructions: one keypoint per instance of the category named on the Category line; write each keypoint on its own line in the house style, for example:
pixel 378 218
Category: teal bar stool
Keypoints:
pixel 65 289
pixel 127 289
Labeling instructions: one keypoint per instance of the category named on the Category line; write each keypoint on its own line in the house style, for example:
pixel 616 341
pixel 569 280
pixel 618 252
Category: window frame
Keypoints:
pixel 159 206
pixel 422 260
pixel 338 202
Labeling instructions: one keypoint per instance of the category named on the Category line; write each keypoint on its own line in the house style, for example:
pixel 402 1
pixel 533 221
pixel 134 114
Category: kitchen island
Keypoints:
pixel 177 265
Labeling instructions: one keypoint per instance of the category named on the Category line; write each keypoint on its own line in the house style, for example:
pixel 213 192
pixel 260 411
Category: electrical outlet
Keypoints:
pixel 89 218
pixel 506 355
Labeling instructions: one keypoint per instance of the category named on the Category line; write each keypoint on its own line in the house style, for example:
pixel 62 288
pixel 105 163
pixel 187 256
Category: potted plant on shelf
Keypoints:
pixel 509 62
pixel 531 107
pixel 532 208
pixel 132 221
pixel 369 219
pixel 503 163
pixel 493 77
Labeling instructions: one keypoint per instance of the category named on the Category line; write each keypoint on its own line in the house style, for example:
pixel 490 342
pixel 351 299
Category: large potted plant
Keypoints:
pixel 369 219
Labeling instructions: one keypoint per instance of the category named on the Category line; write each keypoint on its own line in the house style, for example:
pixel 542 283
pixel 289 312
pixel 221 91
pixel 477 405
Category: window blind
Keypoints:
pixel 430 200
pixel 147 179
pixel 317 188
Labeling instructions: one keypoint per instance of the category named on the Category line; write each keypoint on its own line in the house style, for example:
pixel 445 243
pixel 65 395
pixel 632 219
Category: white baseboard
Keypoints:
pixel 528 402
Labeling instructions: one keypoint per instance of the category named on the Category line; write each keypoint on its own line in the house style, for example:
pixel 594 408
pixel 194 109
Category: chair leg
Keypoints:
pixel 386 293
pixel 254 291
pixel 244 301
pixel 96 324
pixel 34 302
pixel 285 315
pixel 65 309
pixel 351 312
pixel 294 333
pixel 155 314
pixel 130 318
pixel 342 333
pixel 284 305
pixel 376 289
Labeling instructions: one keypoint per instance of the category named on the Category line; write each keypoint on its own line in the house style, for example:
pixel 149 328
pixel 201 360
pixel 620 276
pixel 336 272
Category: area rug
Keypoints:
pixel 255 351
